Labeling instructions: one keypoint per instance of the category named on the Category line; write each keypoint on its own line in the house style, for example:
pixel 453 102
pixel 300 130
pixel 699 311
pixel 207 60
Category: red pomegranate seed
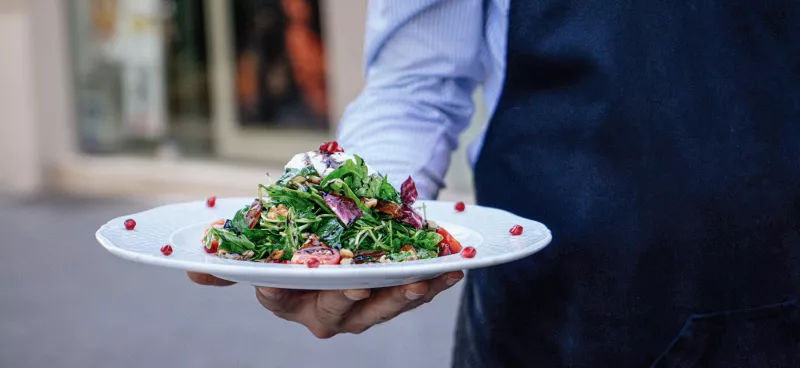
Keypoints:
pixel 330 147
pixel 312 263
pixel 214 247
pixel 211 201
pixel 468 252
pixel 130 224
pixel 460 207
pixel 166 250
pixel 516 230
pixel 445 251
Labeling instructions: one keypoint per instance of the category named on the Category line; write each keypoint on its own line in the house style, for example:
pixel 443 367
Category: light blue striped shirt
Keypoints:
pixel 423 61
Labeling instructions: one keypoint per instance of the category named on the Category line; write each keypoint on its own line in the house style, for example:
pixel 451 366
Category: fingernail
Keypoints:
pixel 271 293
pixel 452 281
pixel 410 295
pixel 354 295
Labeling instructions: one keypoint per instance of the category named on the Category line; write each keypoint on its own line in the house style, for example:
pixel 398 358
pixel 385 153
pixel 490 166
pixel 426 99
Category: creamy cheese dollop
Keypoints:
pixel 320 162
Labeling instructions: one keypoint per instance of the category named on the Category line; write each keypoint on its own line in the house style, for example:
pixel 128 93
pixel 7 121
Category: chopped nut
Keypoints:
pixel 283 211
pixel 248 254
pixel 221 252
pixel 273 213
pixel 312 241
pixel 298 180
pixel 314 179
pixel 346 253
pixel 370 202
pixel 346 261
pixel 304 235
pixel 383 259
pixel 430 224
pixel 277 254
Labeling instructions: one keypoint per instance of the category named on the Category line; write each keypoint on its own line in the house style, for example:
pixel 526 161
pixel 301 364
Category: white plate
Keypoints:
pixel 181 225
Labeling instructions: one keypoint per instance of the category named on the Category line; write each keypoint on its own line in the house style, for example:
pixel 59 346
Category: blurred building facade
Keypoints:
pixel 176 97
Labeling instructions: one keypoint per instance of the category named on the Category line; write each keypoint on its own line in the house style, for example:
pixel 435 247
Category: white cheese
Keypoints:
pixel 319 161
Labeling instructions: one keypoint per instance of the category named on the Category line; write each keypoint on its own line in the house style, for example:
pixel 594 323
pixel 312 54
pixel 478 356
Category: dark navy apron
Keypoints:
pixel 660 142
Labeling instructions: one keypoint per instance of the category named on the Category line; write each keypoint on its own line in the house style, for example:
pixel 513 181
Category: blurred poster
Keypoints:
pixel 138 48
pixel 280 64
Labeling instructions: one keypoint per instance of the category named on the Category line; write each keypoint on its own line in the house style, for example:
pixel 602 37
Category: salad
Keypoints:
pixel 330 207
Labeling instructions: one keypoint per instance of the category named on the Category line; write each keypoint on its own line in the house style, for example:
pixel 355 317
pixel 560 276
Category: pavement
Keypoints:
pixel 66 302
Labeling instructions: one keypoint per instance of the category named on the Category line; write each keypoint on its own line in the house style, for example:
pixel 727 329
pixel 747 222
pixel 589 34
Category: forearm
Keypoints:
pixel 422 67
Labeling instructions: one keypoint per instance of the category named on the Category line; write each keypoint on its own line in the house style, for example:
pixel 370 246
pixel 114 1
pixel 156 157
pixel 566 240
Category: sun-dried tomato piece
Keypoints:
pixel 391 208
pixel 254 214
pixel 365 256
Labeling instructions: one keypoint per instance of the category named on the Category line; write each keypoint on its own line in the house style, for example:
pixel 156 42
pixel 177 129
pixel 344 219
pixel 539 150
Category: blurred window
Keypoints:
pixel 141 72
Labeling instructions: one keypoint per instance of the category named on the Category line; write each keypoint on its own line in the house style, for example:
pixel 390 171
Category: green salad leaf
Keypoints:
pixel 298 211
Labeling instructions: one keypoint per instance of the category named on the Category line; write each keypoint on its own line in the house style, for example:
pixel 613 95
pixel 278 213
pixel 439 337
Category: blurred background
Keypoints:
pixel 108 107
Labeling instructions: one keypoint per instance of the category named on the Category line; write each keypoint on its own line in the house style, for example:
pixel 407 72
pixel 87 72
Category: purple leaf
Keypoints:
pixel 345 208
pixel 408 192
pixel 411 217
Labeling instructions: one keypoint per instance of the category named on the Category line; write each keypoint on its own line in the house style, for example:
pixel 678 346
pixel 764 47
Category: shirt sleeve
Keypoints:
pixel 422 61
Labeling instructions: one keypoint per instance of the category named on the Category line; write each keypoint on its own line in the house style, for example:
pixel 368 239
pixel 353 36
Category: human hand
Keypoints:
pixel 327 313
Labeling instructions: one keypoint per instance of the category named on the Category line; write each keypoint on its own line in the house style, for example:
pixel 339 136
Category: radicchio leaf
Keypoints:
pixel 345 208
pixel 411 217
pixel 408 192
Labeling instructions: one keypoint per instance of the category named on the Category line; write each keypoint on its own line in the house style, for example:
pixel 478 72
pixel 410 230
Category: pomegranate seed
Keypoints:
pixel 312 263
pixel 214 247
pixel 468 252
pixel 460 207
pixel 330 147
pixel 166 250
pixel 211 201
pixel 516 230
pixel 445 251
pixel 130 224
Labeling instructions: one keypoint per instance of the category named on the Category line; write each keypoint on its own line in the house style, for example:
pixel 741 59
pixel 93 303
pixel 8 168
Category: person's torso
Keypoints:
pixel 660 142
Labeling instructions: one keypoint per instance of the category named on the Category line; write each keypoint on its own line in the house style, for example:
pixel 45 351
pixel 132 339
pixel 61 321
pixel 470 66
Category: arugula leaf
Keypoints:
pixel 353 172
pixel 400 256
pixel 424 254
pixel 340 187
pixel 348 169
pixel 300 202
pixel 431 240
pixel 240 226
pixel 387 192
pixel 371 186
pixel 232 242
pixel 330 232
pixel 289 174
